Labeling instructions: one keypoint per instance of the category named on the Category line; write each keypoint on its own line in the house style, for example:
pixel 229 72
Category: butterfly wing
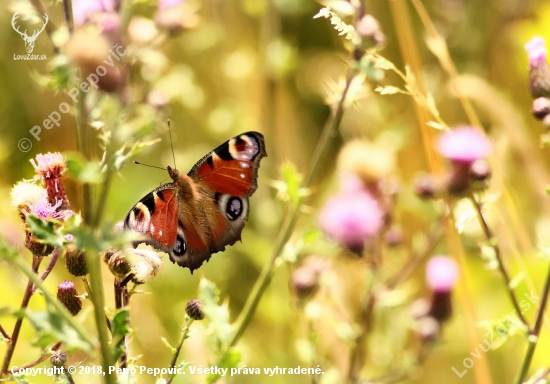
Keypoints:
pixel 204 211
pixel 223 180
pixel 156 216
pixel 232 168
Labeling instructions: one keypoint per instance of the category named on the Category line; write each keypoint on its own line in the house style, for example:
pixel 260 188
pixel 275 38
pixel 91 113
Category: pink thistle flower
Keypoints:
pixel 351 217
pixel 50 165
pixel 536 50
pixel 163 4
pixel 44 210
pixel 441 273
pixel 83 9
pixel 539 72
pixel 464 144
pixel 441 276
pixel 50 168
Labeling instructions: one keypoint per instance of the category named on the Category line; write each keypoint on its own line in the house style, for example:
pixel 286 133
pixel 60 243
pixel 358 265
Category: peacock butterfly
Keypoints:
pixel 201 212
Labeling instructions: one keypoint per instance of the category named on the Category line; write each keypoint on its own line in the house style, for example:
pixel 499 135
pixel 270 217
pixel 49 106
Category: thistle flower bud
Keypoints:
pixel 194 309
pixel 75 261
pixel 462 146
pixel 368 161
pixel 419 308
pixel 428 329
pixel 68 296
pixel 305 279
pixel 425 186
pixel 480 171
pixel 58 359
pixel 142 264
pixel 458 180
pixel 117 262
pixel 50 169
pixel 88 50
pixel 145 265
pixel 441 306
pixel 546 122
pixel 36 246
pixel 541 107
pixel 369 28
pixel 539 72
pixel 157 99
pixel 441 276
pixel 304 282
pixel 173 16
pixel 394 236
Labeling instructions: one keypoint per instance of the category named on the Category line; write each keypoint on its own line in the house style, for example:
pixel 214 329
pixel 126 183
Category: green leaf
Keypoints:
pixel 218 315
pixel 51 327
pixel 6 250
pixel 516 280
pixel 388 90
pixel 120 329
pixel 127 376
pixel 230 360
pixel 289 187
pixel 83 170
pixel 123 155
pixel 46 231
pixel 369 68
pixel 168 345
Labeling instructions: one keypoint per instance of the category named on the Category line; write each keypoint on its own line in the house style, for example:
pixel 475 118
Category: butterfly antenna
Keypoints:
pixel 147 165
pixel 171 142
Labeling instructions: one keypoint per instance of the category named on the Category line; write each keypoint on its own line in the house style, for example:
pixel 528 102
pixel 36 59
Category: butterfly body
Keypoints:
pixel 202 212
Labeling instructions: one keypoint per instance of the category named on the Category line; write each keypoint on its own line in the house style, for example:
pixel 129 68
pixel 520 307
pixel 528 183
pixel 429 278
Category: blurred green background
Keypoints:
pixel 267 65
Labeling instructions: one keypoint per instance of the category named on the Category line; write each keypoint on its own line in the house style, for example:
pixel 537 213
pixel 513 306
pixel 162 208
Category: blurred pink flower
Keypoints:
pixel 163 4
pixel 351 217
pixel 464 144
pixel 539 72
pixel 441 273
pixel 536 50
pixel 82 9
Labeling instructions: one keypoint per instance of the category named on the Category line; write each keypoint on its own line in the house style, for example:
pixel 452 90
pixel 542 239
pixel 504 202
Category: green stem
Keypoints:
pixel 68 14
pixel 288 225
pixel 184 335
pixel 97 297
pixel 51 300
pixel 19 322
pixel 265 277
pixel 42 358
pixel 502 268
pixel 104 193
pixel 533 337
pixel 329 131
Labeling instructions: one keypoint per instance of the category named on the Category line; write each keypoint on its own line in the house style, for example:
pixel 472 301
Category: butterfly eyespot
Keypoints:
pixel 179 246
pixel 234 208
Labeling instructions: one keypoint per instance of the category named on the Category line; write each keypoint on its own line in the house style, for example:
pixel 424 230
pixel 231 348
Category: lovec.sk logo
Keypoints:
pixel 29 40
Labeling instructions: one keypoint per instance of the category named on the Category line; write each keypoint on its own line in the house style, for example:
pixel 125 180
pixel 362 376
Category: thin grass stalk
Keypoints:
pixel 184 335
pixel 19 322
pixel 534 335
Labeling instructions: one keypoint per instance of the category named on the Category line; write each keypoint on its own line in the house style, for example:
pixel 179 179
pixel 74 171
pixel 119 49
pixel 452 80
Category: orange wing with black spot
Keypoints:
pixel 232 168
pixel 222 181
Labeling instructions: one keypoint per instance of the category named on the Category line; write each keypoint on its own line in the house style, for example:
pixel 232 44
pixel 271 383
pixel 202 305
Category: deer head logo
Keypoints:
pixel 29 40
